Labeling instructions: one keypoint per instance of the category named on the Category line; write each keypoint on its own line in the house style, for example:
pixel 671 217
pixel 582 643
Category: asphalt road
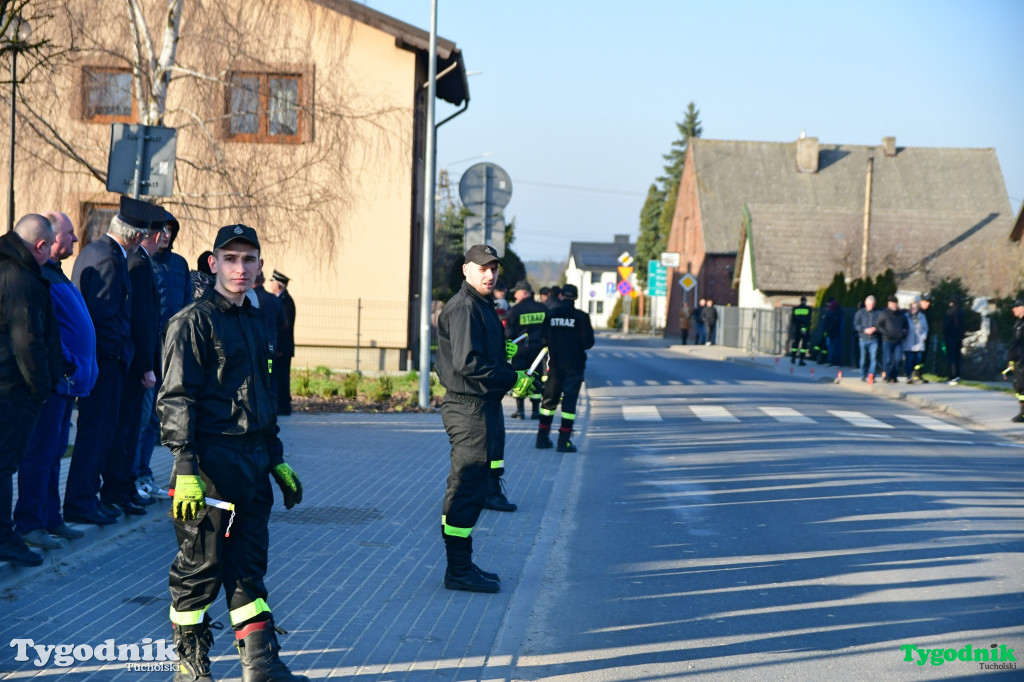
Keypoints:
pixel 725 523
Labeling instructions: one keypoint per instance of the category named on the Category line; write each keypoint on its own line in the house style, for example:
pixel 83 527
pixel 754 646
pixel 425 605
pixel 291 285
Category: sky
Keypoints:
pixel 579 99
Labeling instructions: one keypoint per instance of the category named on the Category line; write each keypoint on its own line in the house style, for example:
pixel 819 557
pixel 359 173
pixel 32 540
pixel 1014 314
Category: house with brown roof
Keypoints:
pixel 762 223
pixel 303 118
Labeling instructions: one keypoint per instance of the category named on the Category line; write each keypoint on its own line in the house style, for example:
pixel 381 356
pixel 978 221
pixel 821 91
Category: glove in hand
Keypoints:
pixel 523 386
pixel 289 483
pixel 511 348
pixel 189 497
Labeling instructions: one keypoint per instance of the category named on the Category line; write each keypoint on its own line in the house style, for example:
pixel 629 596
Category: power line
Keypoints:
pixel 577 188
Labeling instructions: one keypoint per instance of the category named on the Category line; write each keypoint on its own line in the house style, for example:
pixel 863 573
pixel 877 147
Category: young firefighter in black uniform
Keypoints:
pixel 1016 357
pixel 218 409
pixel 567 334
pixel 473 367
pixel 526 317
pixel 799 328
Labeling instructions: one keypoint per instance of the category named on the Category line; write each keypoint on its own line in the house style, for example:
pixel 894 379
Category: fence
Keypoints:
pixel 351 334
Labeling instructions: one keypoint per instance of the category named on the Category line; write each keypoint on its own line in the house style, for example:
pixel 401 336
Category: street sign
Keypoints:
pixel 485 230
pixel 157 148
pixel 485 189
pixel 670 259
pixel 657 278
pixel 687 282
pixel 609 288
pixel 625 288
pixel 625 272
pixel 625 259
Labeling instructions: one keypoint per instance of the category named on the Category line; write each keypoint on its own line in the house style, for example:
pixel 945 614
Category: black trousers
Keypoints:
pixel 236 472
pixel 564 385
pixel 476 431
pixel 119 470
pixel 283 372
pixel 17 420
pixel 94 439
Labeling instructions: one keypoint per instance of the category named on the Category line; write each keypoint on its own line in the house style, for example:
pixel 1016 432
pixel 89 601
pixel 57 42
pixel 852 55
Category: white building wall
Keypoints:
pixel 597 292
pixel 749 297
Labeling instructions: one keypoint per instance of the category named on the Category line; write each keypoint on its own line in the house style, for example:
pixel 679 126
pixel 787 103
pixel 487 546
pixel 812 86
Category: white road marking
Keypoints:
pixel 860 419
pixel 713 413
pixel 641 413
pixel 931 423
pixel 786 414
pixel 628 382
pixel 651 382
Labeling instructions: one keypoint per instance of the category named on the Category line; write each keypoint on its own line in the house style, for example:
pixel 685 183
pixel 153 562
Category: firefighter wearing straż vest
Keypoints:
pixel 472 365
pixel 799 329
pixel 1016 357
pixel 526 317
pixel 218 415
pixel 567 335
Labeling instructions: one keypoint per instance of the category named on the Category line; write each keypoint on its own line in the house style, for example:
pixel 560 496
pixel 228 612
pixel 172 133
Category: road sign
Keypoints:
pixel 157 148
pixel 687 282
pixel 625 259
pixel 670 259
pixel 485 184
pixel 657 277
pixel 485 230
pixel 609 288
pixel 625 272
pixel 625 288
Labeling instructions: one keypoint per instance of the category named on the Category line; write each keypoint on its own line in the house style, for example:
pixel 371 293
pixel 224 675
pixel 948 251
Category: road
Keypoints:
pixel 727 523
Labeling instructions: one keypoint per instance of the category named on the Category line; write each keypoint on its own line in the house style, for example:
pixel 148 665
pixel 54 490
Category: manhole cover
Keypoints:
pixel 328 516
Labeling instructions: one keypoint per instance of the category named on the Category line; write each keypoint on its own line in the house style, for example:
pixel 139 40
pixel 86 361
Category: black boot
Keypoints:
pixel 496 499
pixel 192 643
pixel 519 414
pixel 544 440
pixel 1020 414
pixel 462 573
pixel 564 445
pixel 535 407
pixel 258 649
pixel 14 550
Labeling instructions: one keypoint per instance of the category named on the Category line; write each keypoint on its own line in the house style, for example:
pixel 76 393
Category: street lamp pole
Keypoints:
pixel 10 171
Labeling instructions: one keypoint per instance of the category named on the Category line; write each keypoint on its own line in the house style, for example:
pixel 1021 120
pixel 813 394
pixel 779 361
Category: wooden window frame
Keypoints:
pixel 85 208
pixel 262 135
pixel 87 71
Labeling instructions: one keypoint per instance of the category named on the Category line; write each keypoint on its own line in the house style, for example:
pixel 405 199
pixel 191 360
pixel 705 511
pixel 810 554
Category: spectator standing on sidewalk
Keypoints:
pixel 699 330
pixel 866 324
pixel 37 513
pixel 710 317
pixel 217 411
pixel 472 365
pixel 278 285
pixel 685 321
pixel 832 323
pixel 953 338
pixel 1016 357
pixel 915 343
pixel 892 325
pixel 31 361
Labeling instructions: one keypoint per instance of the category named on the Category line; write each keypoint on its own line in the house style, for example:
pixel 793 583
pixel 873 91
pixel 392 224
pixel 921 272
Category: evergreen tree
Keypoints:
pixel 649 239
pixel 676 157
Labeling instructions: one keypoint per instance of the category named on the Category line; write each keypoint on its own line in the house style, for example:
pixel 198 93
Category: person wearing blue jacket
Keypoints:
pixel 37 514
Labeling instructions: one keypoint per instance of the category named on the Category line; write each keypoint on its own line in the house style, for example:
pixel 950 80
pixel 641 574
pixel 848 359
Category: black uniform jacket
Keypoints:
pixel 101 274
pixel 286 337
pixel 145 322
pixel 568 334
pixel 1016 351
pixel 527 317
pixel 217 378
pixel 471 347
pixel 31 359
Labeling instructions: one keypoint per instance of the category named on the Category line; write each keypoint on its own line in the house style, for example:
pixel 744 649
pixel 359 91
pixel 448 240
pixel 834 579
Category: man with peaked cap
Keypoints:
pixel 568 335
pixel 101 275
pixel 217 412
pixel 472 365
pixel 278 285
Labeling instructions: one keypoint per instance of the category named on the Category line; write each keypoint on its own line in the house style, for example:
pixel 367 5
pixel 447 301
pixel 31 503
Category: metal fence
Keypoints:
pixel 349 334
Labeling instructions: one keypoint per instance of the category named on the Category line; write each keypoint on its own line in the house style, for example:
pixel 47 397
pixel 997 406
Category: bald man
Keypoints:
pixel 30 361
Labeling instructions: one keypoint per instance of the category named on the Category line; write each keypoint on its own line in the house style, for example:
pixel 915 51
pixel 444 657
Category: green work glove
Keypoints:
pixel 511 348
pixel 189 497
pixel 523 386
pixel 289 483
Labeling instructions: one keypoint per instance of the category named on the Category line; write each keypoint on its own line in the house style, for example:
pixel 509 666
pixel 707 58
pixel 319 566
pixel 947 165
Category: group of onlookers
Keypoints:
pixel 702 320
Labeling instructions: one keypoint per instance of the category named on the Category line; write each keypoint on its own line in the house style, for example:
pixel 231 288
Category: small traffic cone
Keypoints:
pixel 776 362
pixel 839 375
pixel 871 379
pixel 812 371
pixel 790 370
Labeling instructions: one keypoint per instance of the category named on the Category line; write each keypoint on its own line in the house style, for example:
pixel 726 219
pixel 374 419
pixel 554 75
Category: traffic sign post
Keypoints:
pixel 485 189
pixel 141 160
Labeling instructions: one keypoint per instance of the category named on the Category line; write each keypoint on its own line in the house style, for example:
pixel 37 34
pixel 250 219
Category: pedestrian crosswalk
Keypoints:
pixel 786 415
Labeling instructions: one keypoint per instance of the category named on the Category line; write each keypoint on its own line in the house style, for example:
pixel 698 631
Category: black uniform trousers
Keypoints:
pixel 1018 382
pixel 564 385
pixel 17 421
pixel 119 470
pixel 236 470
pixel 283 374
pixel 476 431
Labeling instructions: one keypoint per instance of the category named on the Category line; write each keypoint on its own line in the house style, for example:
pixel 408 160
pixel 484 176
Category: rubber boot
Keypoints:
pixel 192 643
pixel 462 573
pixel 564 444
pixel 543 439
pixel 1020 414
pixel 535 408
pixel 519 414
pixel 496 499
pixel 258 649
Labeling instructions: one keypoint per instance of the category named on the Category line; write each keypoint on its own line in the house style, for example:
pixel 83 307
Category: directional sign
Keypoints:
pixel 609 288
pixel 625 258
pixel 625 272
pixel 670 259
pixel 625 288
pixel 657 276
pixel 687 282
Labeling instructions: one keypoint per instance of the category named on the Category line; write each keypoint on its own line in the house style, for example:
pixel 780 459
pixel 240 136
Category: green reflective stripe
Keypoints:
pixel 454 530
pixel 188 617
pixel 250 610
pixel 801 311
pixel 535 396
pixel 568 415
pixel 497 463
pixel 547 413
pixel 1020 397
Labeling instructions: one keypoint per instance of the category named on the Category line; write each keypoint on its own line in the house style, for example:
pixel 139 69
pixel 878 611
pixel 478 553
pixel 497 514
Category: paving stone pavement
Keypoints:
pixel 355 571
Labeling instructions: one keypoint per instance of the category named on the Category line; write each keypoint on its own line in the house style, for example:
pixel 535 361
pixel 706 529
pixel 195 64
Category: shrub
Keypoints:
pixel 384 388
pixel 350 385
pixel 325 372
pixel 301 384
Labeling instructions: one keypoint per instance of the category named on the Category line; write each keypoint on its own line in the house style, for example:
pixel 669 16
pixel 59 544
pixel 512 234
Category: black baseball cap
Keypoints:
pixel 482 254
pixel 230 233
pixel 1019 302
pixel 570 292
pixel 522 285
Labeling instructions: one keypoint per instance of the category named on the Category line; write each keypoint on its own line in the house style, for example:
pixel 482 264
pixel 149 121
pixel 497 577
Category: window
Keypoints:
pixel 265 108
pixel 107 95
pixel 600 307
pixel 595 278
pixel 96 219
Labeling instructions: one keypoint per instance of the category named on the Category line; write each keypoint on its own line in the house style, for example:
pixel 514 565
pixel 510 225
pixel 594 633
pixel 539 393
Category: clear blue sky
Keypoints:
pixel 578 100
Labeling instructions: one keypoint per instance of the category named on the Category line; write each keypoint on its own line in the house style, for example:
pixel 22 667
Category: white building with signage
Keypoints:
pixel 593 268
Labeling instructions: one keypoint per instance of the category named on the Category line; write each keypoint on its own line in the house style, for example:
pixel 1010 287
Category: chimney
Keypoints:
pixel 807 154
pixel 889 146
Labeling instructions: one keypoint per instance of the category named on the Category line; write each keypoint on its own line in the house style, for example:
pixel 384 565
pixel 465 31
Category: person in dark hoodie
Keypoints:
pixel 30 361
pixel 893 326
pixel 37 514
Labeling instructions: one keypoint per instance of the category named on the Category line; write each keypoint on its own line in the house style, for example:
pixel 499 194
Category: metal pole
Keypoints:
pixel 10 172
pixel 140 149
pixel 359 329
pixel 427 256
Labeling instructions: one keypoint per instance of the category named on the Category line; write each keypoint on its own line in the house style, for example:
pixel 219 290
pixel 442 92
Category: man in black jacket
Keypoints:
pixel 526 317
pixel 799 329
pixel 568 335
pixel 710 317
pixel 278 285
pixel 1016 357
pixel 893 326
pixel 218 417
pixel 472 365
pixel 31 361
